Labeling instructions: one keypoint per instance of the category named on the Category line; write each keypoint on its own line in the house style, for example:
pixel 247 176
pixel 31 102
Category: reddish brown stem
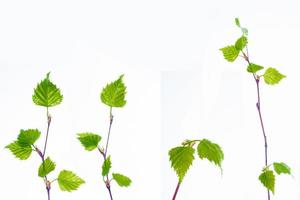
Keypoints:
pixel 104 152
pixel 42 154
pixel 176 190
pixel 258 106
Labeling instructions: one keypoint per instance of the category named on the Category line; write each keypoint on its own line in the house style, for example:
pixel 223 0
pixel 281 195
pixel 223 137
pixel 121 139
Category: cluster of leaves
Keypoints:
pixel 231 52
pixel 182 157
pixel 267 177
pixel 46 94
pixel 90 142
pixel 271 76
pixel 23 146
pixel 112 95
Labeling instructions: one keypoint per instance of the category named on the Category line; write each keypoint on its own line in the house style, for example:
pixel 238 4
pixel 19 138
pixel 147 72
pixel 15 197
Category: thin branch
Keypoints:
pixel 42 155
pixel 176 190
pixel 47 183
pixel 111 118
pixel 258 106
pixel 47 133
pixel 110 194
pixel 104 152
pixel 48 193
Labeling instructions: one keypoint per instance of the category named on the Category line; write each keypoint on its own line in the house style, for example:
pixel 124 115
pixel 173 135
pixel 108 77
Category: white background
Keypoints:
pixel 86 44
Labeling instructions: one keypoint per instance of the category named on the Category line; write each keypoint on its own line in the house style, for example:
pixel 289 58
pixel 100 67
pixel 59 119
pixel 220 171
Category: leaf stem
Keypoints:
pixel 54 180
pixel 190 142
pixel 176 190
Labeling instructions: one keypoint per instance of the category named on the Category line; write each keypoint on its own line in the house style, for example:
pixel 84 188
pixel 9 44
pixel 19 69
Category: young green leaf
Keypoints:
pixel 241 43
pixel 267 178
pixel 89 140
pixel 211 151
pixel 253 68
pixel 122 180
pixel 106 166
pixel 113 94
pixel 68 181
pixel 181 159
pixel 281 168
pixel 21 152
pixel 273 76
pixel 28 137
pixel 47 94
pixel 46 167
pixel 237 22
pixel 244 30
pixel 230 53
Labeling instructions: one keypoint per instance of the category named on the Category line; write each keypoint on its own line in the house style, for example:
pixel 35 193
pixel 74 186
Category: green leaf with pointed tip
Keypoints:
pixel 106 166
pixel 28 137
pixel 21 152
pixel 113 94
pixel 273 76
pixel 46 93
pixel 122 180
pixel 230 53
pixel 46 167
pixel 267 178
pixel 89 140
pixel 281 168
pixel 181 159
pixel 68 181
pixel 241 43
pixel 210 151
pixel 253 68
pixel 237 22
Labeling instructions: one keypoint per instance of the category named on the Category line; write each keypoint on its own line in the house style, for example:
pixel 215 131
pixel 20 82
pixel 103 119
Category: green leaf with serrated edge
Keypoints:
pixel 46 167
pixel 122 180
pixel 106 166
pixel 28 137
pixel 113 94
pixel 89 140
pixel 68 181
pixel 181 159
pixel 273 76
pixel 46 93
pixel 241 43
pixel 230 53
pixel 21 152
pixel 253 68
pixel 267 178
pixel 281 168
pixel 237 22
pixel 210 151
